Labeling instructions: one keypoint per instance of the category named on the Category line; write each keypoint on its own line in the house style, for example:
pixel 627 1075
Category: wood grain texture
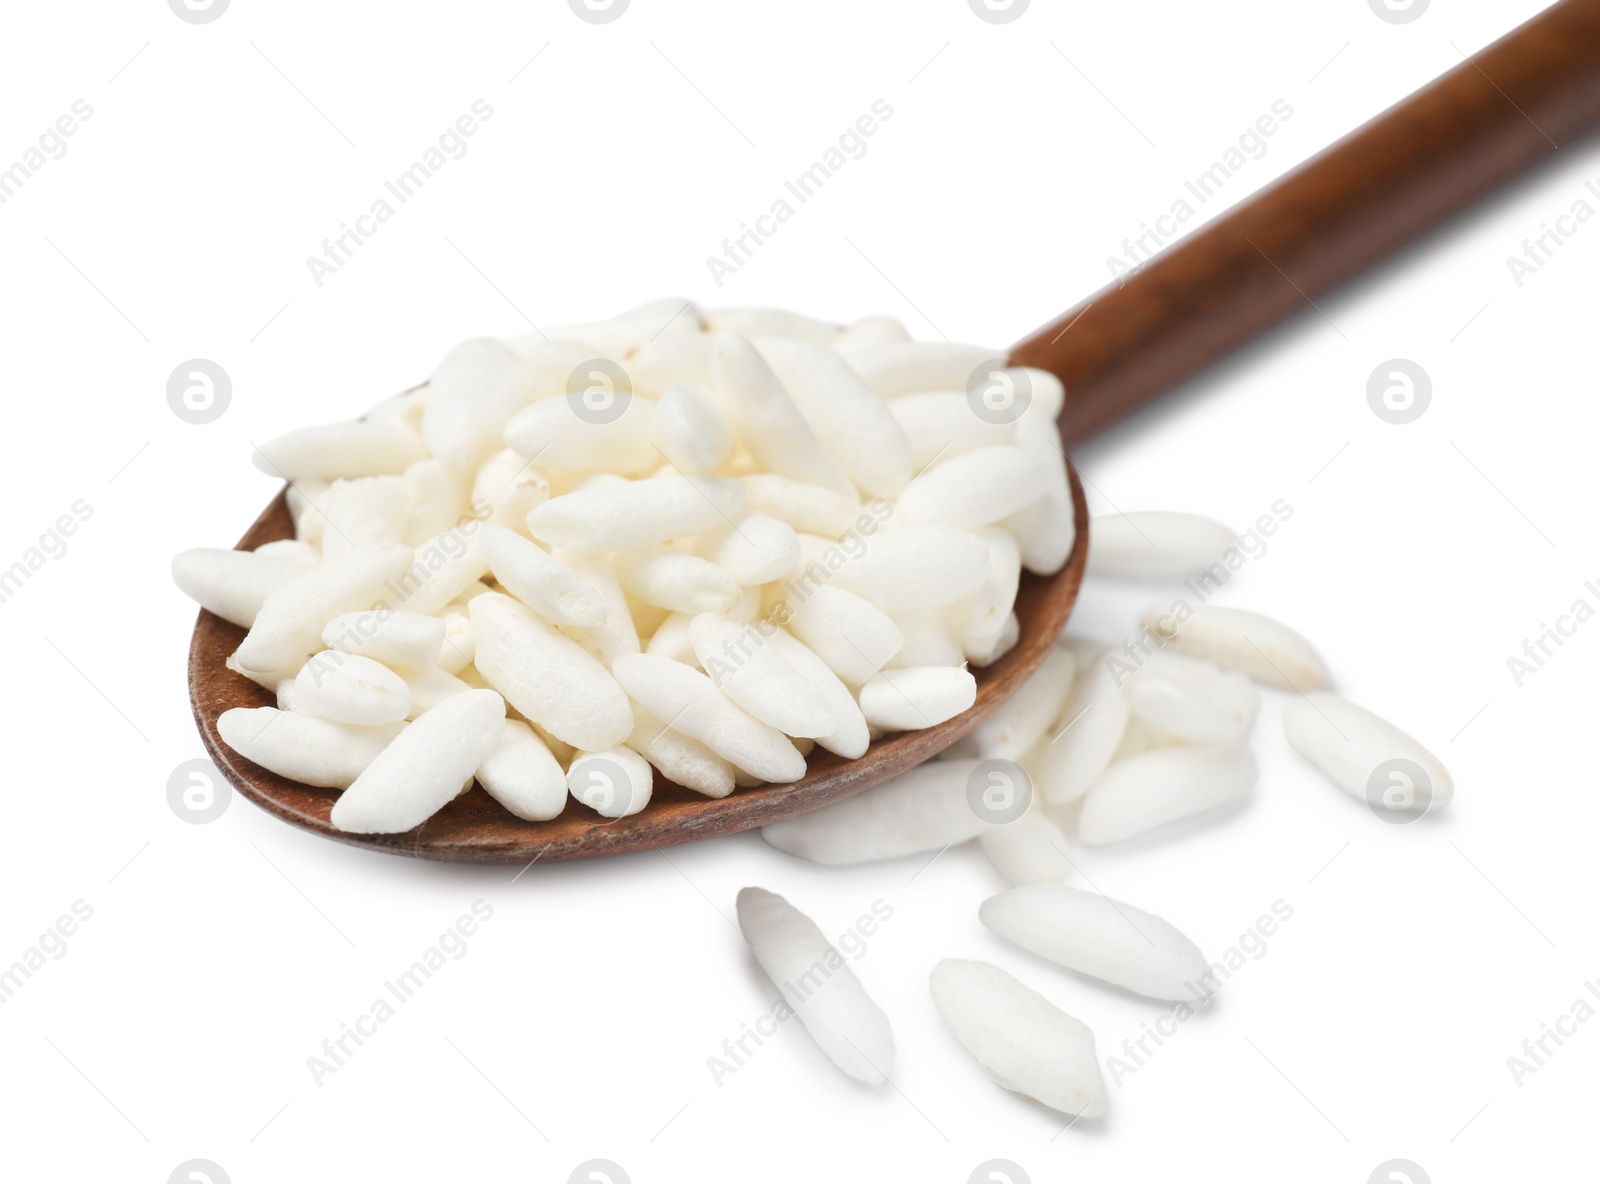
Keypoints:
pixel 1378 189
pixel 1401 175
pixel 476 829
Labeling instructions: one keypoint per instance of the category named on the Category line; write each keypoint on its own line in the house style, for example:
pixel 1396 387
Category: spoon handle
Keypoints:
pixel 1277 253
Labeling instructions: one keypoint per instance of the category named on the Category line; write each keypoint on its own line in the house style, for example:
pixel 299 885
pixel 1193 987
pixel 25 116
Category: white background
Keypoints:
pixel 578 1025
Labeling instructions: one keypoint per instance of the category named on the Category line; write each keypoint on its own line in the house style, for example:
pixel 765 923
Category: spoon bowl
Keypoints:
pixel 475 828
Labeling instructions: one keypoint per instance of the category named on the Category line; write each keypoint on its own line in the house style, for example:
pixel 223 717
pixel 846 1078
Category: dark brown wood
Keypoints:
pixel 476 829
pixel 1381 187
pixel 1399 176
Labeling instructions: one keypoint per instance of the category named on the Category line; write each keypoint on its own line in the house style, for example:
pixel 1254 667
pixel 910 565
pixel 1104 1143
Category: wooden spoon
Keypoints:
pixel 1383 186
